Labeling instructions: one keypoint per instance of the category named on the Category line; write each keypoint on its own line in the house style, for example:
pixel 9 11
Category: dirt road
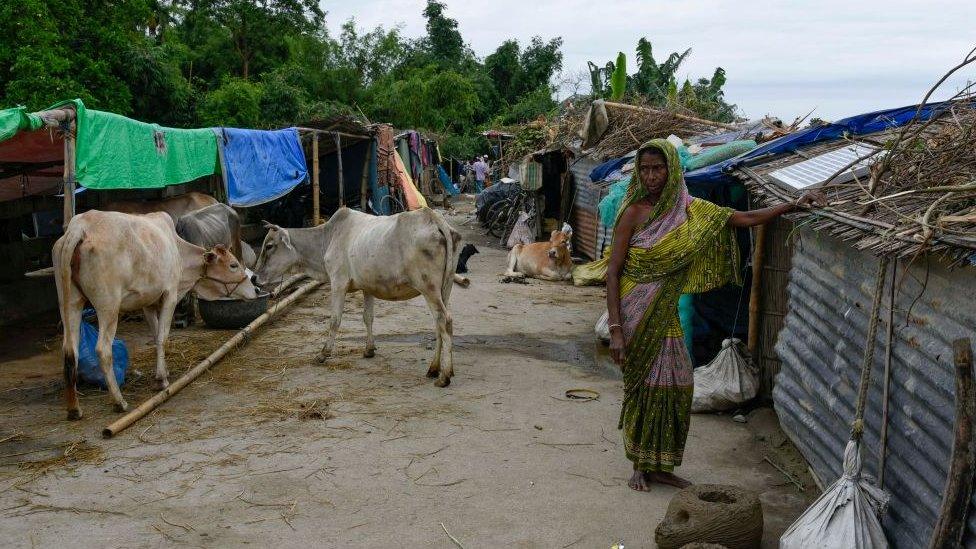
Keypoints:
pixel 272 449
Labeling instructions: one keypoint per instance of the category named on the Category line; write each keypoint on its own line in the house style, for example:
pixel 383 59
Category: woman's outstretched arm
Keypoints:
pixel 765 215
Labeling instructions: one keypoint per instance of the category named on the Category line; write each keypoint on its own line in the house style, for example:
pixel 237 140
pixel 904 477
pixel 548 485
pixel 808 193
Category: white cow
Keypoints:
pixel 121 262
pixel 393 258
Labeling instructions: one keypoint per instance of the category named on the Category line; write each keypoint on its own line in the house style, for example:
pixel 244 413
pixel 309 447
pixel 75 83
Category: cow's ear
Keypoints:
pixel 553 234
pixel 268 225
pixel 209 257
pixel 286 240
pixel 220 249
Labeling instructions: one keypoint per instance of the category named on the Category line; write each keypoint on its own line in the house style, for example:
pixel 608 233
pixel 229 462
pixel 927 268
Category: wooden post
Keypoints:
pixel 755 294
pixel 958 490
pixel 151 404
pixel 364 180
pixel 342 186
pixel 675 115
pixel 316 214
pixel 69 174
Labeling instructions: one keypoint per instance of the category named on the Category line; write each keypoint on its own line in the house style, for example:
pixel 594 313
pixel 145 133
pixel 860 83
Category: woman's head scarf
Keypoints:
pixel 674 189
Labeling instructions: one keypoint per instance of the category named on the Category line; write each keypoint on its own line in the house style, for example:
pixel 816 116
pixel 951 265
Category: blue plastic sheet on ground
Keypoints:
pixel 260 166
pixel 88 369
pixel 449 185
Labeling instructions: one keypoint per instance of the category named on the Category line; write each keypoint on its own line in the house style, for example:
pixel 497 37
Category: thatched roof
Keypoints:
pixel 919 197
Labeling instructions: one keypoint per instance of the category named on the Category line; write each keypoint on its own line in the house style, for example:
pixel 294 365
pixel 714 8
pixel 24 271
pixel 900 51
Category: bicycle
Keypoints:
pixel 506 212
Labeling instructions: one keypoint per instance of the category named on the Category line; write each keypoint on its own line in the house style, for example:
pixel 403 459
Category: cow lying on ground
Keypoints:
pixel 176 206
pixel 120 262
pixel 542 260
pixel 393 258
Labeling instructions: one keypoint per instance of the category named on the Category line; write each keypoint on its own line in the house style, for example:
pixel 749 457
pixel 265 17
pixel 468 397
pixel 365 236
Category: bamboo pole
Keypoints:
pixel 69 175
pixel 342 185
pixel 755 291
pixel 316 214
pixel 883 445
pixel 674 114
pixel 162 396
pixel 951 526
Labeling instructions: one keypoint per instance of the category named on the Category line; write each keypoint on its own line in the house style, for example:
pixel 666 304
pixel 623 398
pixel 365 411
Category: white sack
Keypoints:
pixel 726 382
pixel 846 516
pixel 521 232
pixel 602 327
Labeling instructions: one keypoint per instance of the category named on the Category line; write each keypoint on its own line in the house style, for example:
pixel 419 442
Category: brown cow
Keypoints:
pixel 120 262
pixel 543 260
pixel 176 206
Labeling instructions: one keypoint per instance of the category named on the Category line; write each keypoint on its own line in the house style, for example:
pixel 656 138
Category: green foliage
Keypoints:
pixel 618 80
pixel 236 102
pixel 657 83
pixel 193 63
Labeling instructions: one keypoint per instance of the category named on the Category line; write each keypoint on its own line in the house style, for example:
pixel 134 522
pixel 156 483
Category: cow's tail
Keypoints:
pixel 451 240
pixel 71 320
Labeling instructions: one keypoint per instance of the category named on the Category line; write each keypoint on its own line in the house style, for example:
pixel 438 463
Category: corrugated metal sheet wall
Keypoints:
pixel 586 215
pixel 821 345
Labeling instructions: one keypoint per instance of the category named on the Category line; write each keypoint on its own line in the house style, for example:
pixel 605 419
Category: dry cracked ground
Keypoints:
pixel 270 448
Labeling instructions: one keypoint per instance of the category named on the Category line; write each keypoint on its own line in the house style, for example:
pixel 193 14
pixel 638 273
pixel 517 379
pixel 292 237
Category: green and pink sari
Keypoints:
pixel 685 246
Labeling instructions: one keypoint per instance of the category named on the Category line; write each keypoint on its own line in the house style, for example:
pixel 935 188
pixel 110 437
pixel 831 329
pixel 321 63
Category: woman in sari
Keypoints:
pixel 665 243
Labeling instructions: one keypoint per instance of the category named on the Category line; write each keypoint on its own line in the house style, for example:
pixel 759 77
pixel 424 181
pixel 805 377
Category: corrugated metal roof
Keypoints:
pixel 585 216
pixel 821 346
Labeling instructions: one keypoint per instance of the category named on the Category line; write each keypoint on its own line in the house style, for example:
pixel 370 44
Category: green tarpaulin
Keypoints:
pixel 115 152
pixel 15 120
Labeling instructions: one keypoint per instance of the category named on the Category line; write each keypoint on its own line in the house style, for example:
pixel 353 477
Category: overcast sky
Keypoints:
pixel 841 57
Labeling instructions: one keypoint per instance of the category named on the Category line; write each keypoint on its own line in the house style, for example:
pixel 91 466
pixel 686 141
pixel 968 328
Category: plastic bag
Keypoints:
pixel 602 327
pixel 88 369
pixel 726 382
pixel 521 232
pixel 846 515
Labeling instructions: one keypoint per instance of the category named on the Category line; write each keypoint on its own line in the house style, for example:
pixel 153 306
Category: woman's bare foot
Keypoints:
pixel 668 478
pixel 640 482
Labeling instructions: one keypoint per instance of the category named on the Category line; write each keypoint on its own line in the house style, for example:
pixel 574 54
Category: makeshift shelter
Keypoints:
pixel 420 157
pixel 69 148
pixel 810 331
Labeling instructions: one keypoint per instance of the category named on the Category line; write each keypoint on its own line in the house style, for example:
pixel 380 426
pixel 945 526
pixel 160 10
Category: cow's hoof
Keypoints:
pixel 74 415
pixel 160 384
pixel 321 358
pixel 369 353
pixel 442 382
pixel 121 407
pixel 433 372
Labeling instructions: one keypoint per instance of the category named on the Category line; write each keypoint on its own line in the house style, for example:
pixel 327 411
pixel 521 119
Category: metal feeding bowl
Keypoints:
pixel 233 314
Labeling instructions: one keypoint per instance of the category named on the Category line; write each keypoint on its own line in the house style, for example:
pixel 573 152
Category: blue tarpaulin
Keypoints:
pixel 446 182
pixel 855 125
pixel 260 166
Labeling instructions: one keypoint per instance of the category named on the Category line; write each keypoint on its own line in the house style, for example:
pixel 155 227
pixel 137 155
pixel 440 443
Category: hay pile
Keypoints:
pixel 628 129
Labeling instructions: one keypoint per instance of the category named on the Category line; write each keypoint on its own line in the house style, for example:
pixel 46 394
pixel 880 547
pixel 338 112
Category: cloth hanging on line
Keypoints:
pixel 115 152
pixel 260 166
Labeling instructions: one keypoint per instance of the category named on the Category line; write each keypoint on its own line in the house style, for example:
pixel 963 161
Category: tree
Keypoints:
pixel 657 83
pixel 443 43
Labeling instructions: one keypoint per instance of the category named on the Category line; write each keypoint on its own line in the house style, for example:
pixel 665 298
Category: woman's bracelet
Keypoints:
pixel 612 326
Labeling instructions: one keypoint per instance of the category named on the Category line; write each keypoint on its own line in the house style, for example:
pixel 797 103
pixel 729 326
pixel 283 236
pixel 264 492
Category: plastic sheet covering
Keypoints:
pixel 521 232
pixel 260 166
pixel 846 516
pixel 726 382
